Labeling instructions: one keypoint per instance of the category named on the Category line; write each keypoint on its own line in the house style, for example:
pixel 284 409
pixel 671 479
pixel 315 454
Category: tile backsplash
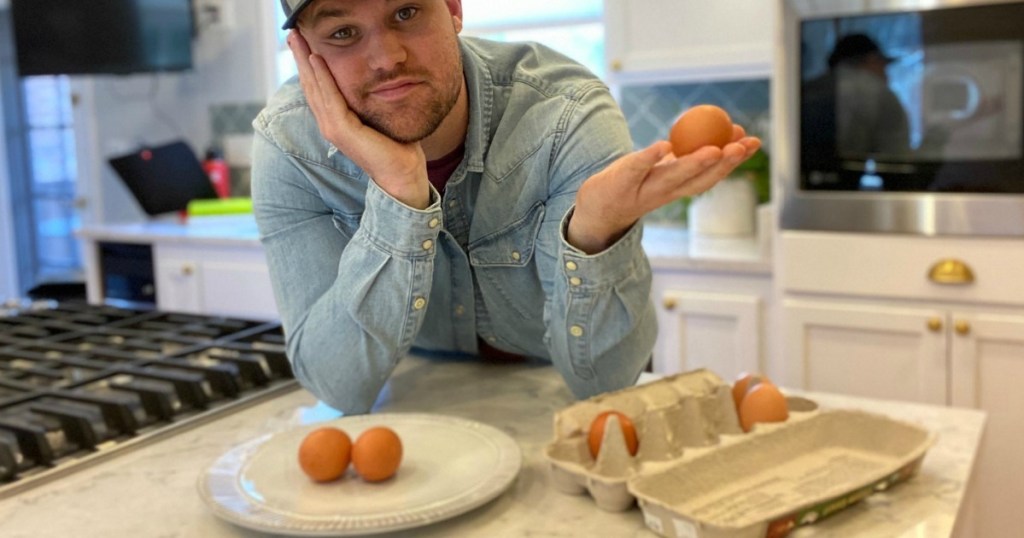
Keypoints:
pixel 233 118
pixel 651 111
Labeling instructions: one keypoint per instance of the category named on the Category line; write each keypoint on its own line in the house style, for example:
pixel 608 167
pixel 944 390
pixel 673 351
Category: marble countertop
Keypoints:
pixel 667 247
pixel 151 491
pixel 673 247
pixel 228 230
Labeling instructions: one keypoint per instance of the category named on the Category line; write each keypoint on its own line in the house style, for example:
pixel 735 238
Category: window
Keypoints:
pixel 43 170
pixel 53 171
pixel 572 27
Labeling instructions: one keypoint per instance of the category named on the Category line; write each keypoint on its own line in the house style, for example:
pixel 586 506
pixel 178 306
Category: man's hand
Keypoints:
pixel 399 169
pixel 611 201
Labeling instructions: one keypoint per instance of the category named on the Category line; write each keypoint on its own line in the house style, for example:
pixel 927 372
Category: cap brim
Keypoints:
pixel 290 23
pixel 294 17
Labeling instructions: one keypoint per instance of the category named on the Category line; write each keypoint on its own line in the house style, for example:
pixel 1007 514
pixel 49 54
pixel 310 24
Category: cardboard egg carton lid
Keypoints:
pixel 786 476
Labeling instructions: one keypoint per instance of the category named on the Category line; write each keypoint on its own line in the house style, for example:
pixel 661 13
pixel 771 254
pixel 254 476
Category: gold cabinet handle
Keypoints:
pixel 669 303
pixel 962 327
pixel 616 65
pixel 187 269
pixel 934 324
pixel 951 271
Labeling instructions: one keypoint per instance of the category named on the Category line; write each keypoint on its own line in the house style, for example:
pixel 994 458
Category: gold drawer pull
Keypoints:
pixel 934 324
pixel 669 303
pixel 962 327
pixel 951 271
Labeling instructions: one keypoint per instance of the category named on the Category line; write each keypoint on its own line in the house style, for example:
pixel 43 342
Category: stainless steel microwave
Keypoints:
pixel 900 117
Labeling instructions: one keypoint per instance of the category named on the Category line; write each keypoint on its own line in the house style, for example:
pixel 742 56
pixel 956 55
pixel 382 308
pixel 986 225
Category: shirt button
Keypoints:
pixel 451 204
pixel 576 331
pixel 433 223
pixel 575 281
pixel 571 266
pixel 419 303
pixel 427 244
pixel 516 255
pixel 492 339
pixel 459 310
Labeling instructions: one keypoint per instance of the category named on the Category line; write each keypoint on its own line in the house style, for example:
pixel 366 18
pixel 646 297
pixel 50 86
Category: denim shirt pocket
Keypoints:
pixel 501 262
pixel 346 223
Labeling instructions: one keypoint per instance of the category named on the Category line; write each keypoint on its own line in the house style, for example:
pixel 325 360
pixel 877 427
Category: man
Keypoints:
pixel 852 109
pixel 418 188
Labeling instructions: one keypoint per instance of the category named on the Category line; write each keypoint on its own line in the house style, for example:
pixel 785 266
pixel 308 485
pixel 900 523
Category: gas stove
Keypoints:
pixel 80 382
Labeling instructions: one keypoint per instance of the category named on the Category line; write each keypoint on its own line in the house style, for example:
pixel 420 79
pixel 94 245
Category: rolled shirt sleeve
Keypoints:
pixel 350 306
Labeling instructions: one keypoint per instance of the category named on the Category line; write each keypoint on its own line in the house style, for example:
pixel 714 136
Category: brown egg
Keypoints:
pixel 377 454
pixel 764 403
pixel 324 454
pixel 702 125
pixel 597 427
pixel 742 386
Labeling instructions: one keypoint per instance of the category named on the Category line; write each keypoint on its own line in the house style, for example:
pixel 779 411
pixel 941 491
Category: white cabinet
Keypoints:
pixel 208 265
pixel 987 370
pixel 178 286
pixel 883 316
pixel 866 350
pixel 877 315
pixel 688 40
pixel 213 279
pixel 713 321
pixel 961 357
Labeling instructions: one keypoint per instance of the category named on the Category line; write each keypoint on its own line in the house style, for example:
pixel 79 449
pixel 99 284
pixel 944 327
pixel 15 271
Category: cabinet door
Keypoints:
pixel 988 373
pixel 225 280
pixel 717 331
pixel 689 39
pixel 240 290
pixel 866 350
pixel 178 286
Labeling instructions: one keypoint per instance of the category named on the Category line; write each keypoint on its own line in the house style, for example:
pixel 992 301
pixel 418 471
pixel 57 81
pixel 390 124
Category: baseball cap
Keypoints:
pixel 292 8
pixel 855 46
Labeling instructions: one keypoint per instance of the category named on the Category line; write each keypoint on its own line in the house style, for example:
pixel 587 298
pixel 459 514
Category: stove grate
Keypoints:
pixel 78 381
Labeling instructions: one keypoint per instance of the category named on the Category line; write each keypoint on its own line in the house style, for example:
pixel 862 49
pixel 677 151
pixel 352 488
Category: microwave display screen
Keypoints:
pixel 916 101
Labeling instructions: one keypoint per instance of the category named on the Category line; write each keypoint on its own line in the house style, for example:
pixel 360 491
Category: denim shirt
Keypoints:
pixel 361 278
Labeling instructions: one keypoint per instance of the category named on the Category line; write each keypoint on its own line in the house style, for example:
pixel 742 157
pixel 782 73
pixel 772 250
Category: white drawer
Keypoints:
pixel 898 266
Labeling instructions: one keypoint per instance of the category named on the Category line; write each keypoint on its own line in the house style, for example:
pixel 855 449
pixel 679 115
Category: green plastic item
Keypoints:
pixel 219 206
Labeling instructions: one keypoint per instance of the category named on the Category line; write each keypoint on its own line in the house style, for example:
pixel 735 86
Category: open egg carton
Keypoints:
pixel 696 474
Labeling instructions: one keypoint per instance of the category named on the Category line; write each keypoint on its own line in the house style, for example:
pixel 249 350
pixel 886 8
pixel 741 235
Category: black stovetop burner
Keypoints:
pixel 78 381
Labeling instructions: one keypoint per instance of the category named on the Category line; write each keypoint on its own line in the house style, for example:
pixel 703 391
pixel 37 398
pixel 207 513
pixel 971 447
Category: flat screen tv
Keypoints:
pixel 74 37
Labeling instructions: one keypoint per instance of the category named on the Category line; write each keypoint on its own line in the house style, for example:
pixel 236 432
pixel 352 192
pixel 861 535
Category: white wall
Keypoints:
pixel 233 63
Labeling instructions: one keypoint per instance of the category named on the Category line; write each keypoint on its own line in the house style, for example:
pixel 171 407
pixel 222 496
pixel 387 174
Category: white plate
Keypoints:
pixel 449 466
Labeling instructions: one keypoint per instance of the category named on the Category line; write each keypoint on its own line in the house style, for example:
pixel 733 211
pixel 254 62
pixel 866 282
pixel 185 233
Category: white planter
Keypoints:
pixel 728 209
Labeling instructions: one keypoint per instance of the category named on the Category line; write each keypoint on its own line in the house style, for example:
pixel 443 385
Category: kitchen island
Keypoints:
pixel 151 491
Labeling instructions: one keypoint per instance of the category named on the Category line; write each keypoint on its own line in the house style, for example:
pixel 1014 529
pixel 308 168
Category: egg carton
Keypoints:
pixel 687 428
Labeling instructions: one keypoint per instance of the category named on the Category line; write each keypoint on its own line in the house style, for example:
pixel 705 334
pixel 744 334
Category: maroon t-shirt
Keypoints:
pixel 440 170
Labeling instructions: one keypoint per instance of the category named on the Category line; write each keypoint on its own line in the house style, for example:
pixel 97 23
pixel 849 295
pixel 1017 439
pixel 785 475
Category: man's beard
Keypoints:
pixel 432 113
